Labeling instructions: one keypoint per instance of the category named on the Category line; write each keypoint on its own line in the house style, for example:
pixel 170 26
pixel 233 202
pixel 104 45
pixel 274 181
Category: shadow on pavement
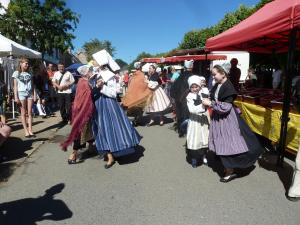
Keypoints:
pixel 146 119
pixel 215 163
pixel 58 126
pixel 15 148
pixel 133 158
pixel 285 173
pixel 18 125
pixel 31 210
pixel 6 170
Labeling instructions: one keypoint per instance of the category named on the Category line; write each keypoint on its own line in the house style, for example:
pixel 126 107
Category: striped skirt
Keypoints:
pixel 160 102
pixel 112 129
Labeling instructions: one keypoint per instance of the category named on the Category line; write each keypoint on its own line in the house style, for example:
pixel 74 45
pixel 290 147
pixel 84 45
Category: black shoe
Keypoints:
pixel 293 199
pixel 150 124
pixel 181 135
pixel 228 178
pixel 107 166
pixel 32 135
pixel 135 123
pixel 194 163
pixel 74 161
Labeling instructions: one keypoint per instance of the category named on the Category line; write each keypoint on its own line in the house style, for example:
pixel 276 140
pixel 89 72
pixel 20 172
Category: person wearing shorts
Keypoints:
pixel 24 94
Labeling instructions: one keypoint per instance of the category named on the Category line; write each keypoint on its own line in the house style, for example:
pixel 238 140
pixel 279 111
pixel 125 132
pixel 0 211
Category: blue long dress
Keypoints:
pixel 113 132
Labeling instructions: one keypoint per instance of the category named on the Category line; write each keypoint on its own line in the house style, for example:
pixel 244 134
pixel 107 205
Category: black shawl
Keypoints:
pixel 227 92
pixel 155 77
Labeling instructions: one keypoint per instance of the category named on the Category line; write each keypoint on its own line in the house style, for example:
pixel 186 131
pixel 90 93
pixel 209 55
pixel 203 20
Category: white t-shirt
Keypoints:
pixel 67 78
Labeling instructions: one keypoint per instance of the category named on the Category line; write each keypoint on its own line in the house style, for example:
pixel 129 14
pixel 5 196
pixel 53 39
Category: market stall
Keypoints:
pixel 262 110
pixel 182 58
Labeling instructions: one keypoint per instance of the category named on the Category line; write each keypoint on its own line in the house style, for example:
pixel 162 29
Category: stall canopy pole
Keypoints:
pixel 287 93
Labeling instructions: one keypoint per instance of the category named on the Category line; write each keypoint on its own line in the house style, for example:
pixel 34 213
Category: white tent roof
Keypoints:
pixel 9 47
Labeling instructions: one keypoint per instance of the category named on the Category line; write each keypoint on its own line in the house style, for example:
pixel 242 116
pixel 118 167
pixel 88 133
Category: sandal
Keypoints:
pixel 73 160
pixel 107 166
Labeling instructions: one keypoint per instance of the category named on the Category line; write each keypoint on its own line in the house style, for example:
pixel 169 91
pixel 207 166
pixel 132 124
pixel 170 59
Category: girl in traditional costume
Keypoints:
pixel 229 136
pixel 197 130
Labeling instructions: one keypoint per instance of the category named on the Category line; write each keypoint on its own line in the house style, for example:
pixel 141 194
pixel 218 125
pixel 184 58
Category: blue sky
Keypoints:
pixel 152 26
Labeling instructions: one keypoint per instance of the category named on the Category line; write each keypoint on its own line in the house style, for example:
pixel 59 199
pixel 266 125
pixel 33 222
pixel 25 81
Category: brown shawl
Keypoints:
pixel 138 91
pixel 82 111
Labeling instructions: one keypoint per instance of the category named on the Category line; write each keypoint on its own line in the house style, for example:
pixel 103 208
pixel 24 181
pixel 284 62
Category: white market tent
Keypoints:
pixel 9 47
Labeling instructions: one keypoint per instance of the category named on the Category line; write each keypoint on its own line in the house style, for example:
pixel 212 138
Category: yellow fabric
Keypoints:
pixel 266 122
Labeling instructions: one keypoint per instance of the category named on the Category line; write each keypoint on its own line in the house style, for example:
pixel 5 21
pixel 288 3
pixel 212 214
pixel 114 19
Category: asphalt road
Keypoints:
pixel 154 186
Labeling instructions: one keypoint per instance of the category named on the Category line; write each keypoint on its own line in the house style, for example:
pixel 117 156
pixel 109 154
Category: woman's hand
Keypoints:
pixel 206 102
pixel 100 83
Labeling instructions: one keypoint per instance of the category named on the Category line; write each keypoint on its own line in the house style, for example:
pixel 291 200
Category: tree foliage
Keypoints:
pixel 46 26
pixel 96 45
pixel 197 38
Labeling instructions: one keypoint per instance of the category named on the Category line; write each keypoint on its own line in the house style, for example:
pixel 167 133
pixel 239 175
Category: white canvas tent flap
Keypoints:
pixel 9 47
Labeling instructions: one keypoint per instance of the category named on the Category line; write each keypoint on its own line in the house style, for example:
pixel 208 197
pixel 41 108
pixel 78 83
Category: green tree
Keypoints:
pixel 138 58
pixel 46 26
pixel 261 4
pixel 197 38
pixel 96 45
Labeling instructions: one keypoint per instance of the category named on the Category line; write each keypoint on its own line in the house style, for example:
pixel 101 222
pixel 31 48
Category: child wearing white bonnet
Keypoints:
pixel 197 131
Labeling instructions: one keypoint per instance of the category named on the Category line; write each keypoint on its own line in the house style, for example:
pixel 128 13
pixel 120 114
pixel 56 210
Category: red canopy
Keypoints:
pixel 265 31
pixel 176 59
pixel 152 60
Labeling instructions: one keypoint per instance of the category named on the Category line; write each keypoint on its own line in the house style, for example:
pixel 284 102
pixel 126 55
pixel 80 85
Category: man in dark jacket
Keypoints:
pixel 179 91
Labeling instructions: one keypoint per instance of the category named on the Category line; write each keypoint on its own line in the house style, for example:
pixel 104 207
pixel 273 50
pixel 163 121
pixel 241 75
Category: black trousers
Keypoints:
pixel 181 113
pixel 64 101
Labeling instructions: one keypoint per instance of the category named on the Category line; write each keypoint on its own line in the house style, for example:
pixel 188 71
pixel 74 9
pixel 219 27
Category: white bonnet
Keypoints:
pixel 195 79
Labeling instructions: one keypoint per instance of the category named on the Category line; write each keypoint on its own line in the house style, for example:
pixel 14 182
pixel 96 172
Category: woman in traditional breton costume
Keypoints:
pixel 82 113
pixel 197 130
pixel 160 101
pixel 229 136
pixel 137 95
pixel 113 132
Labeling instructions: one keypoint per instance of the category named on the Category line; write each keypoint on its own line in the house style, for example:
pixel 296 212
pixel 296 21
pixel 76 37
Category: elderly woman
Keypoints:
pixel 82 113
pixel 160 101
pixel 229 135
